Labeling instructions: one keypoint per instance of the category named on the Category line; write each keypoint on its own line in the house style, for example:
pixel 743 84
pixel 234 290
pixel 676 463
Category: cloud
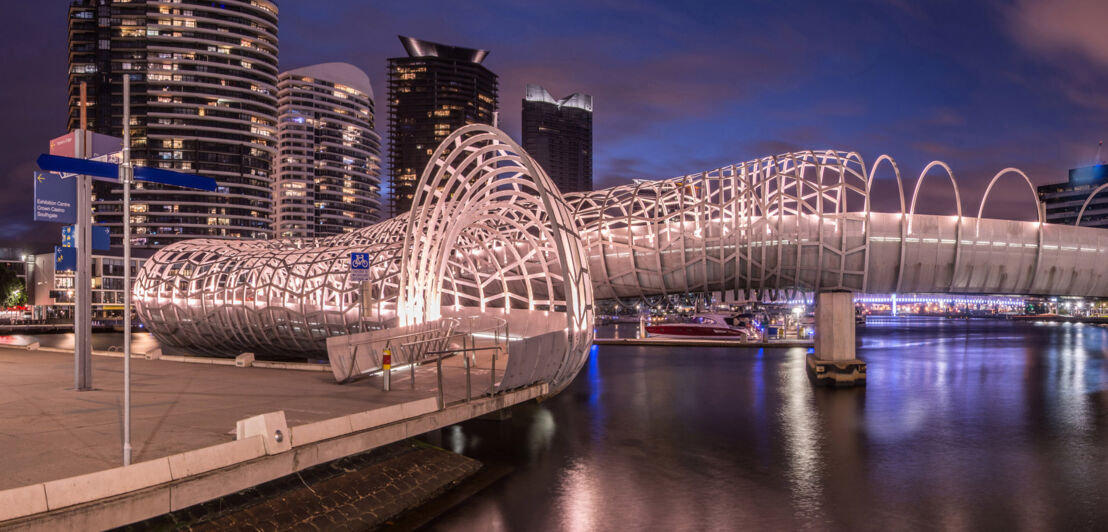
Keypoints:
pixel 945 116
pixel 1062 27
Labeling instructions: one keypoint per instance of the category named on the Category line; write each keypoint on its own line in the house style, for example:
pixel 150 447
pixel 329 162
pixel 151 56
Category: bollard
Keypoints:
pixel 468 393
pixel 386 368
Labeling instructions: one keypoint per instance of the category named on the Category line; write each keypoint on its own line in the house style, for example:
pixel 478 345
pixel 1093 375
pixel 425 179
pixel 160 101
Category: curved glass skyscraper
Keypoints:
pixel 203 99
pixel 329 163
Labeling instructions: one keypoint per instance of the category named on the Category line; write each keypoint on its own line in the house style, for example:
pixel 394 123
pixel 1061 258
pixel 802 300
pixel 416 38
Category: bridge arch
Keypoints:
pixel 1030 185
pixel 957 222
pixel 1088 200
pixel 883 158
pixel 1040 216
pixel 482 195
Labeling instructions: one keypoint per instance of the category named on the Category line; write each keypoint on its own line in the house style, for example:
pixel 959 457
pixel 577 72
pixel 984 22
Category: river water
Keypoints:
pixel 963 425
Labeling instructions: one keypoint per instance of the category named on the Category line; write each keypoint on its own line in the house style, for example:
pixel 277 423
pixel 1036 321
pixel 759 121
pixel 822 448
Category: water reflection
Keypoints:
pixel 963 425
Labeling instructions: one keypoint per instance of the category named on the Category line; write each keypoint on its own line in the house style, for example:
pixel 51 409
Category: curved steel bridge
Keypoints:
pixel 490 233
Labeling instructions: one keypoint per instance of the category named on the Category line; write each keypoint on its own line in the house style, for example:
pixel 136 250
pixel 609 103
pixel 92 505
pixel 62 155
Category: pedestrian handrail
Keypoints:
pixel 425 343
pixel 444 354
pixel 367 356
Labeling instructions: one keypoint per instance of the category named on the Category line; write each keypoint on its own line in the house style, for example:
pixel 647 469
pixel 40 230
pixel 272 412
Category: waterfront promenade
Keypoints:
pixel 49 431
pixel 60 450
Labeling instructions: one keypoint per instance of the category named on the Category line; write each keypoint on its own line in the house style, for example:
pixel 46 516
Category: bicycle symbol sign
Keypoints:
pixel 359 266
pixel 359 261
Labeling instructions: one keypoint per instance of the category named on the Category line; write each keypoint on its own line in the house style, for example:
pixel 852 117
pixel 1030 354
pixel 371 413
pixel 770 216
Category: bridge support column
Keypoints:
pixel 834 362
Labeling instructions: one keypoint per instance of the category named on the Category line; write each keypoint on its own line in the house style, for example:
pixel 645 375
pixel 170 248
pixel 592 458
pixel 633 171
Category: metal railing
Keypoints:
pixel 438 341
pixel 465 344
pixel 415 341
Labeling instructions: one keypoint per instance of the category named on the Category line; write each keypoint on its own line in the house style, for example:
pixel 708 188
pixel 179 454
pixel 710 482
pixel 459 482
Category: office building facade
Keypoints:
pixel 1062 201
pixel 558 134
pixel 328 178
pixel 203 99
pixel 433 91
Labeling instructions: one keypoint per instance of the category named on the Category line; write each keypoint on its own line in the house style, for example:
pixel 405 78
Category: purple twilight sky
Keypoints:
pixel 683 87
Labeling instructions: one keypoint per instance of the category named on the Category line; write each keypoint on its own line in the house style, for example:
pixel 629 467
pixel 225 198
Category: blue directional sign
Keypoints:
pixel 65 259
pixel 71 165
pixel 55 199
pixel 101 238
pixel 67 235
pixel 359 266
pixel 178 179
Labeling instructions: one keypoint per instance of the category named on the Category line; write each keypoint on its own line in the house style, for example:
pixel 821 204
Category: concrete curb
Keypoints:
pixel 119 496
pixel 156 354
pixel 106 483
pixel 18 502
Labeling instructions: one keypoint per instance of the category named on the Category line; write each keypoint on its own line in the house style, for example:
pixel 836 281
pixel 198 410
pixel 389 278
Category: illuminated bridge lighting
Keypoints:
pixel 774 228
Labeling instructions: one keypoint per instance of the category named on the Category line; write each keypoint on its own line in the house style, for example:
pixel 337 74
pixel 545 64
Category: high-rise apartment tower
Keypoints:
pixel 558 134
pixel 433 91
pixel 203 99
pixel 329 157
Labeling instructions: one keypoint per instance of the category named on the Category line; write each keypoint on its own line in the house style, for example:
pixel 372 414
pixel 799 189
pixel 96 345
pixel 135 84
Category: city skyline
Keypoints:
pixel 979 86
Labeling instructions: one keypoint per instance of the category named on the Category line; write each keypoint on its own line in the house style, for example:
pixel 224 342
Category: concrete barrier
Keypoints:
pixel 124 495
pixel 32 346
pixel 215 457
pixel 321 430
pixel 26 500
pixel 376 417
pixel 153 354
pixel 220 483
pixel 106 483
pixel 272 427
pixel 418 408
pixel 245 360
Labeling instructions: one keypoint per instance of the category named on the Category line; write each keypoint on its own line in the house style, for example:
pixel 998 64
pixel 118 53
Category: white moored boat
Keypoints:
pixel 706 327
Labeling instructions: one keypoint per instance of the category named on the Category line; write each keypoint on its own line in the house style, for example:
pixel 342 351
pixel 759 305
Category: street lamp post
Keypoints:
pixel 126 176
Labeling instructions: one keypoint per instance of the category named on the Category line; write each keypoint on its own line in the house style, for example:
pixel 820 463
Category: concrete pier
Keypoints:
pixel 62 453
pixel 834 362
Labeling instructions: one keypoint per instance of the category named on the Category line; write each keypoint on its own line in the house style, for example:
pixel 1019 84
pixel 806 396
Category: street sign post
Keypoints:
pixel 65 259
pixel 85 170
pixel 55 199
pixel 67 236
pixel 110 171
pixel 359 267
pixel 101 238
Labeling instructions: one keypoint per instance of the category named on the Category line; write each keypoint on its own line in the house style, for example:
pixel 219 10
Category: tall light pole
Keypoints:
pixel 82 306
pixel 126 176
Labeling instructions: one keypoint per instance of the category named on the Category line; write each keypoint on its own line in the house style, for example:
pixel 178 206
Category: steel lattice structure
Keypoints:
pixel 490 233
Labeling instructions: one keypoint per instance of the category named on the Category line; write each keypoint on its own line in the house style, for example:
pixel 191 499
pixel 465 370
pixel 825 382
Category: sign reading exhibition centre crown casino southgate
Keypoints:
pixel 359 267
pixel 55 198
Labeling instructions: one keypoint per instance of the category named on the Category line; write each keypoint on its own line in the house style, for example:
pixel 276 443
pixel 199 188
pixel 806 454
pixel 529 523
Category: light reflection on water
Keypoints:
pixel 963 424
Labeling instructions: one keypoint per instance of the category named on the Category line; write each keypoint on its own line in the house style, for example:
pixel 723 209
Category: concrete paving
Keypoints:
pixel 50 431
